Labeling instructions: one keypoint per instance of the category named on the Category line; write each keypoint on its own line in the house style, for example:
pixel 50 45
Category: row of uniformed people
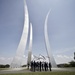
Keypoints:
pixel 40 66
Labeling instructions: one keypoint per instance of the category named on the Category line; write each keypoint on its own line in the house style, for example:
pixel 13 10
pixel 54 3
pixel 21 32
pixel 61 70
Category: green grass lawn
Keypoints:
pixel 43 73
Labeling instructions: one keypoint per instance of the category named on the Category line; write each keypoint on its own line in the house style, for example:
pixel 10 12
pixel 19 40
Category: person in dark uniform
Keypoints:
pixel 37 66
pixel 31 65
pixel 34 64
pixel 40 65
pixel 45 66
pixel 50 66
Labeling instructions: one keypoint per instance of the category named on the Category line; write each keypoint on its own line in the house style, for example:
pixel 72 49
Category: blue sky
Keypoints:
pixel 61 27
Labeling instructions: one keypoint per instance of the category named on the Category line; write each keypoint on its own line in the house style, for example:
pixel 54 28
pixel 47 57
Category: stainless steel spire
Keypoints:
pixel 22 45
pixel 48 49
pixel 30 45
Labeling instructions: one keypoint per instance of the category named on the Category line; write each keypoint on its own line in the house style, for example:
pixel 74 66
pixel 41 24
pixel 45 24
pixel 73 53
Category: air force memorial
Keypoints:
pixel 17 60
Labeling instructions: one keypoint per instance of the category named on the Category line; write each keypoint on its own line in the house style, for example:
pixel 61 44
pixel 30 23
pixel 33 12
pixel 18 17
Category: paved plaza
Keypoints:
pixel 23 70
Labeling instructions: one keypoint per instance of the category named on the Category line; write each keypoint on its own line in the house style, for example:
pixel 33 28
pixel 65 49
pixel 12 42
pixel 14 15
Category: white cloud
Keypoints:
pixel 63 59
pixel 4 60
pixel 66 57
pixel 59 56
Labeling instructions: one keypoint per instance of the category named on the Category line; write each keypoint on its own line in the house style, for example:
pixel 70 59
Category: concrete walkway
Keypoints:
pixel 14 70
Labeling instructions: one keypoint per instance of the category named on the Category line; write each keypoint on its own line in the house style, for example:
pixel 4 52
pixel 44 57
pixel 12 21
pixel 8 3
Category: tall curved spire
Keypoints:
pixel 48 49
pixel 22 45
pixel 30 45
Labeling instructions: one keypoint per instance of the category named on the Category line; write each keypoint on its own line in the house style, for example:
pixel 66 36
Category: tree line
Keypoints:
pixel 4 66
